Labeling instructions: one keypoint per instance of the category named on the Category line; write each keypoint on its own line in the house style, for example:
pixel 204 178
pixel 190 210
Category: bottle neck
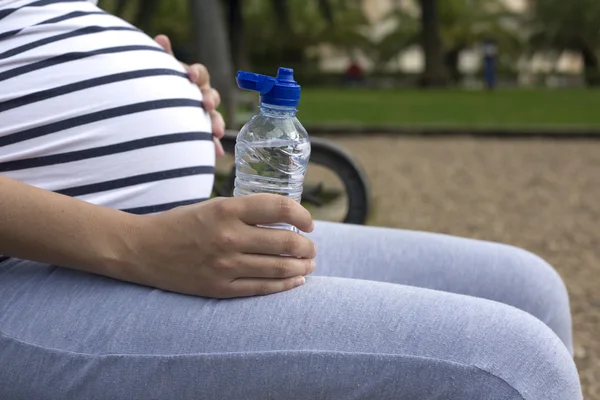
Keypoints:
pixel 277 111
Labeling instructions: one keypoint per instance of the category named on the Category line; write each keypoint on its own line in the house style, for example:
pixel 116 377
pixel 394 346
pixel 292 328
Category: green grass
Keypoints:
pixel 514 108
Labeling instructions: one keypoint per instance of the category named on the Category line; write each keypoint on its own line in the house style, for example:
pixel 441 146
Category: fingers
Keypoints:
pixel 165 43
pixel 198 74
pixel 211 99
pixel 261 287
pixel 202 77
pixel 275 242
pixel 262 266
pixel 192 73
pixel 220 152
pixel 218 124
pixel 212 96
pixel 264 209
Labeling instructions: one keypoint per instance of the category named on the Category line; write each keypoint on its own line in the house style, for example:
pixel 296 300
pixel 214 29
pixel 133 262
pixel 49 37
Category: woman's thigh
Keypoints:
pixel 471 267
pixel 66 334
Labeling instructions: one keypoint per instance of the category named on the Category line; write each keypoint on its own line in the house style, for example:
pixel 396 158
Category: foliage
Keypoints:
pixel 563 25
pixel 559 25
pixel 279 32
pixel 406 34
pixel 164 16
pixel 273 37
pixel 463 24
pixel 466 23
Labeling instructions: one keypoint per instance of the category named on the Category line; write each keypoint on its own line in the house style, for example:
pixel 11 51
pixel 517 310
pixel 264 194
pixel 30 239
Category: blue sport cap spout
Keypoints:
pixel 282 90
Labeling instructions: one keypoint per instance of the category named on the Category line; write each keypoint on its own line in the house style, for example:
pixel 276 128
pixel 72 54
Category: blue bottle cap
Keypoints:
pixel 279 91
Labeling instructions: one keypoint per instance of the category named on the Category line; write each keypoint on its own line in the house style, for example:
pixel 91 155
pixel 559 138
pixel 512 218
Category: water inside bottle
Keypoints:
pixel 274 166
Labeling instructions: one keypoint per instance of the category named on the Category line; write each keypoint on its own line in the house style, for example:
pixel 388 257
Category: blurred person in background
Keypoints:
pixel 490 60
pixel 354 74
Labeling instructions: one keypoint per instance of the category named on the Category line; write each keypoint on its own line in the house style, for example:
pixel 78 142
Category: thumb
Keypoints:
pixel 165 43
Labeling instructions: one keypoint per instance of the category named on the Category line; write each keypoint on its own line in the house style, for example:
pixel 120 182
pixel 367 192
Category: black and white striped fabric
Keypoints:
pixel 91 107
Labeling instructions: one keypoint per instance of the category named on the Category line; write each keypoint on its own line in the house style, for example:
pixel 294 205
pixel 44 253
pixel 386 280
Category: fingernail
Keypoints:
pixel 313 265
pixel 301 281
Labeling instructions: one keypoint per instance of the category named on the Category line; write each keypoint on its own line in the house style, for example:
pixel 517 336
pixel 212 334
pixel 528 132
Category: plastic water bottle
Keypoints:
pixel 273 148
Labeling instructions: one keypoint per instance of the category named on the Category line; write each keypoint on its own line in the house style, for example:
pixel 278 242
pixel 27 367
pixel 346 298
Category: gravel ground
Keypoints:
pixel 541 195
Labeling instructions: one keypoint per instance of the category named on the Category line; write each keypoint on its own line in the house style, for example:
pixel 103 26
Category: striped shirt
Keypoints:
pixel 93 108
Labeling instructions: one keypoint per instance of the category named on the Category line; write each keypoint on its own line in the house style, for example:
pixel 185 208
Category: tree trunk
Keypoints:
pixel 236 25
pixel 591 64
pixel 120 9
pixel 282 13
pixel 145 14
pixel 326 10
pixel 451 61
pixel 435 72
pixel 212 49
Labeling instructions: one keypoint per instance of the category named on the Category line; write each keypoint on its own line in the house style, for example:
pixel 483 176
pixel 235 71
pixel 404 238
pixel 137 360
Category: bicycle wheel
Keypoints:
pixel 333 158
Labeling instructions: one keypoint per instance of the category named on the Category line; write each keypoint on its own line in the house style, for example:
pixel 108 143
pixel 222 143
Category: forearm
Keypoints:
pixel 39 225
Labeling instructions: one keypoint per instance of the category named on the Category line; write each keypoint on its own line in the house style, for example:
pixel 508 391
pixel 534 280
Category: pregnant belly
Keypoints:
pixel 93 108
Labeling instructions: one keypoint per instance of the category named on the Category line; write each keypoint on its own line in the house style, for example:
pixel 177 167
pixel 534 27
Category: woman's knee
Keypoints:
pixel 509 275
pixel 524 352
pixel 532 285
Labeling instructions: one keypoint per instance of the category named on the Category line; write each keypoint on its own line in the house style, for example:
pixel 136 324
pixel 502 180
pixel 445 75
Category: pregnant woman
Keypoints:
pixel 118 281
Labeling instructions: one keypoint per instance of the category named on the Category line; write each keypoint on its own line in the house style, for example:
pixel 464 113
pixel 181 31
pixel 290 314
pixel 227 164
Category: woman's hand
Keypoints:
pixel 199 75
pixel 214 249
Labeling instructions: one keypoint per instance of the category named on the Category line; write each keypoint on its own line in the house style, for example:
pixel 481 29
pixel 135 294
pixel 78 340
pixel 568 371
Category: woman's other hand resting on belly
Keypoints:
pixel 199 75
pixel 211 249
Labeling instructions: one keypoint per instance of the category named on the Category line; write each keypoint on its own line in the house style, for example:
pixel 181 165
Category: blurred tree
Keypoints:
pixel 237 34
pixel 286 31
pixel 120 7
pixel 154 16
pixel 144 18
pixel 463 24
pixel 212 49
pixel 468 23
pixel 435 71
pixel 560 25
pixel 259 34
pixel 405 34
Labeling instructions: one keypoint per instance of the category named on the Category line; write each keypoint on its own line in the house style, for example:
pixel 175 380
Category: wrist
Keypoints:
pixel 118 255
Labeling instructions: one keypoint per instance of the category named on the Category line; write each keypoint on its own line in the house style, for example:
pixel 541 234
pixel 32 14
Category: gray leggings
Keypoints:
pixel 393 314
